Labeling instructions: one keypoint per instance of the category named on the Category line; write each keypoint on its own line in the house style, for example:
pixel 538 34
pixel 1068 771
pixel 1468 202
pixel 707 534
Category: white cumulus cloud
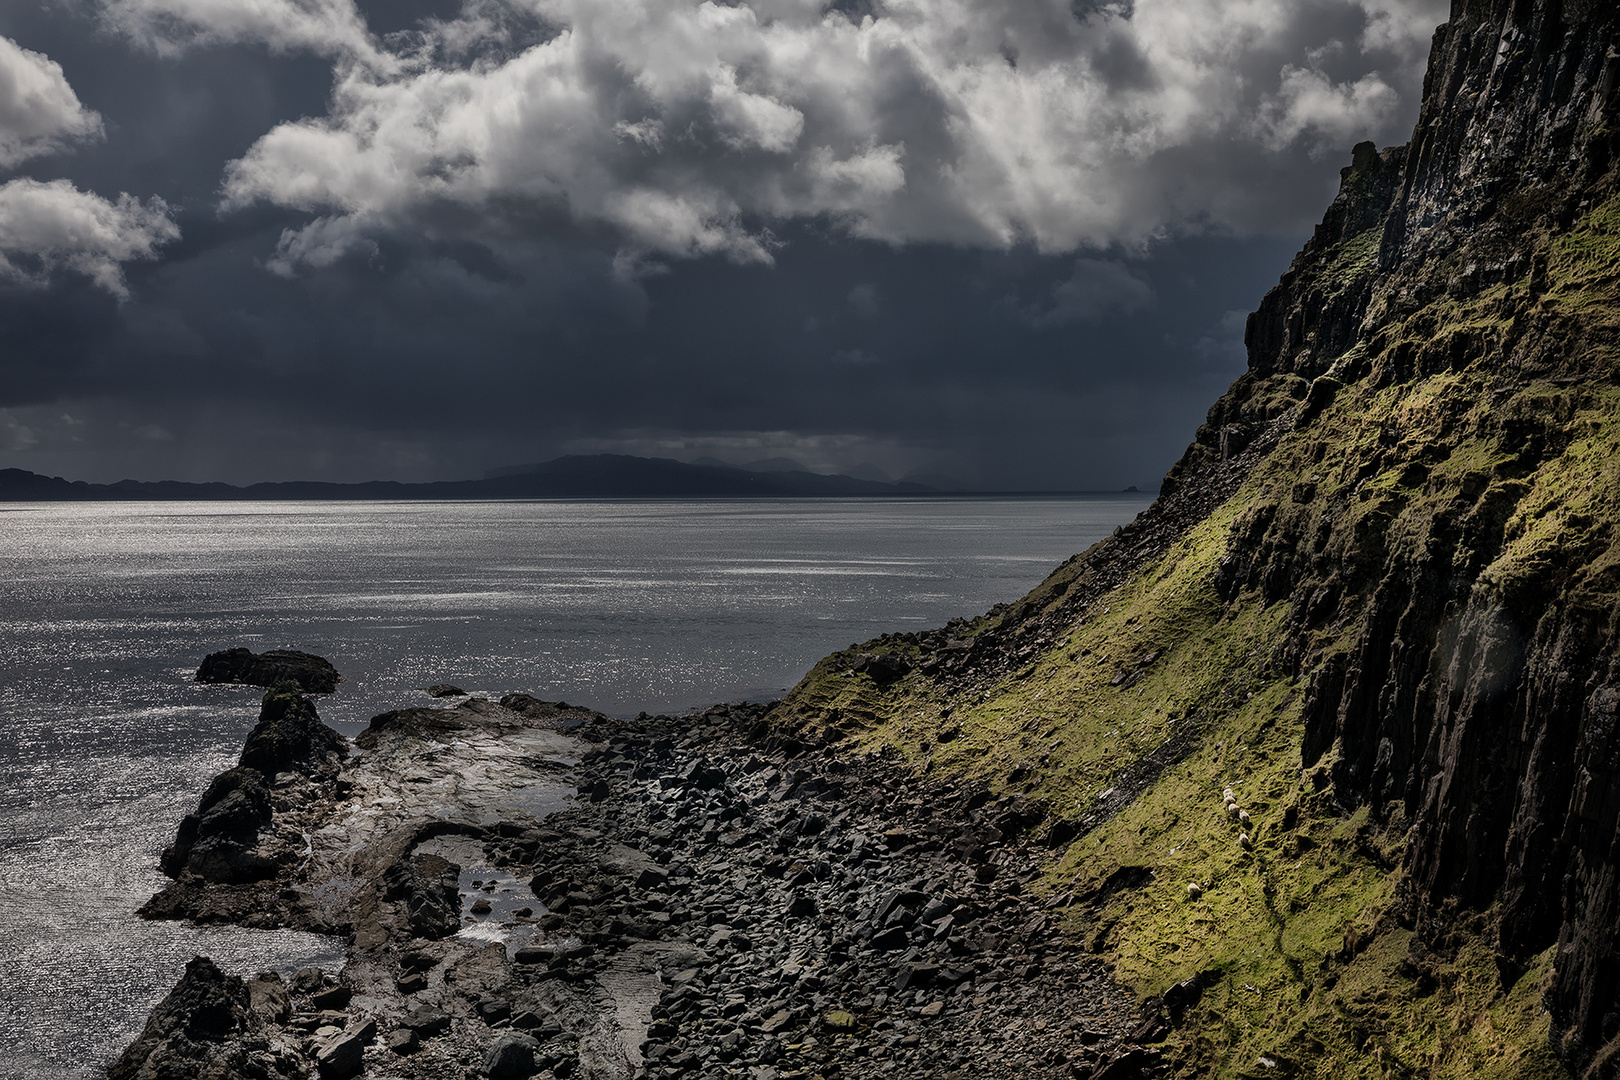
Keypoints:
pixel 1309 104
pixel 39 112
pixel 688 127
pixel 46 227
pixel 327 27
pixel 50 226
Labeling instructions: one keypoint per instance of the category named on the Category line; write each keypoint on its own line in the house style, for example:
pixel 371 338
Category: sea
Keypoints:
pixel 106 609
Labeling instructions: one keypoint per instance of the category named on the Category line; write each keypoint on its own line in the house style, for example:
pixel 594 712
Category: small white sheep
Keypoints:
pixel 1243 818
pixel 1244 842
pixel 1194 890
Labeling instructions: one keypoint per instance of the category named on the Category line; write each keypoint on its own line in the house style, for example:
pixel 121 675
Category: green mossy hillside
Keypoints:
pixel 1485 427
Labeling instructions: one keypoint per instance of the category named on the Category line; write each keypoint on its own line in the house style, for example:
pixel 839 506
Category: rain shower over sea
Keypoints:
pixel 107 608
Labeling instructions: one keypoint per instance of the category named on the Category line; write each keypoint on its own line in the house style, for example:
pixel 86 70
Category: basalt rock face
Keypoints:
pixel 289 748
pixel 1476 696
pixel 313 674
pixel 207 1029
pixel 1377 603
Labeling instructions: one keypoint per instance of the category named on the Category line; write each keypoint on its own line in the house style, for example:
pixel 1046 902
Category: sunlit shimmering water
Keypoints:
pixel 106 609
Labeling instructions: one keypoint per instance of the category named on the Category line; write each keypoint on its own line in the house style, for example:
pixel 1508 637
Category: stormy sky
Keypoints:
pixel 1006 241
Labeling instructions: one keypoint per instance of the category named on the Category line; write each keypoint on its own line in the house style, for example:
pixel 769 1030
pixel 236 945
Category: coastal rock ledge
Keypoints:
pixel 533 889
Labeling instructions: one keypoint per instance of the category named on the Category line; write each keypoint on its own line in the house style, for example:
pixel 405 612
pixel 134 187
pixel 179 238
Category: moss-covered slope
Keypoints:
pixel 1327 738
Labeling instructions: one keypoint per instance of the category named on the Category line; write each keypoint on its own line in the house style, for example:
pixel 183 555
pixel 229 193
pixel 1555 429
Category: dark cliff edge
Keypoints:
pixel 1326 740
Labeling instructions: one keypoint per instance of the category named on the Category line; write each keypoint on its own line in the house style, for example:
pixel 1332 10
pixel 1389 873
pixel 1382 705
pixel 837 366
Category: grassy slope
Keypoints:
pixel 1303 961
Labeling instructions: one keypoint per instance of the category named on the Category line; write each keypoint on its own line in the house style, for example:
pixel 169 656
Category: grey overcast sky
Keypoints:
pixel 1008 241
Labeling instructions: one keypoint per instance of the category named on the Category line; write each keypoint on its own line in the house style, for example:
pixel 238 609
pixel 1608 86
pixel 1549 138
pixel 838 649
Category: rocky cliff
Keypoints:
pixel 1326 739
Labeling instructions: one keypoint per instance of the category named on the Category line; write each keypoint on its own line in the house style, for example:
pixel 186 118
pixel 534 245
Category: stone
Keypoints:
pixel 426 1021
pixel 340 1055
pixel 425 890
pixel 510 1056
pixel 403 1041
pixel 541 1027
pixel 217 842
pixel 290 735
pixel 881 668
pixel 269 998
pixel 444 690
pixel 417 961
pixel 913 976
pixel 802 906
pixel 894 937
pixel 312 674
pixel 1134 1063
pixel 839 1020
pixel 205 1007
pixel 336 997
pixel 308 980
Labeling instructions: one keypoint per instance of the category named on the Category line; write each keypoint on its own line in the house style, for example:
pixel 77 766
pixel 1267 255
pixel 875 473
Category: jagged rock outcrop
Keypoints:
pixel 289 748
pixel 313 674
pixel 207 1029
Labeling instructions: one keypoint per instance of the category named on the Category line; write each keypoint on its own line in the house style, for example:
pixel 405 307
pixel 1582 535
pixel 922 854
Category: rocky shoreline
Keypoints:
pixel 535 889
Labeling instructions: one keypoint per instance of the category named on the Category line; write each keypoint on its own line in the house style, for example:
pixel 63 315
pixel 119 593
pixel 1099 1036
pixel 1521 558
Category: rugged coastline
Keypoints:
pixel 1320 756
pixel 529 888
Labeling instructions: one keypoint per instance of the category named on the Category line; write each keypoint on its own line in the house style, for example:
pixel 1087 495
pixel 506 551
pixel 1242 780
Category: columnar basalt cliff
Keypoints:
pixel 1344 700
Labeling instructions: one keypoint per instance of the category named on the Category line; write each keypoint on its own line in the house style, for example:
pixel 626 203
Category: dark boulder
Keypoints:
pixel 511 1056
pixel 313 674
pixel 341 1055
pixel 558 714
pixel 425 889
pixel 444 690
pixel 1130 1063
pixel 882 668
pixel 217 841
pixel 268 997
pixel 193 1031
pixel 291 735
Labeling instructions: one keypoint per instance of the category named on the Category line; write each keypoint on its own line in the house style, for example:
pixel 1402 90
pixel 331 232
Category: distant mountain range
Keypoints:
pixel 585 476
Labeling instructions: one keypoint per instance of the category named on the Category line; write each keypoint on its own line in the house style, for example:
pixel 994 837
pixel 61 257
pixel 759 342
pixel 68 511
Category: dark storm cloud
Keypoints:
pixel 996 241
pixel 686 129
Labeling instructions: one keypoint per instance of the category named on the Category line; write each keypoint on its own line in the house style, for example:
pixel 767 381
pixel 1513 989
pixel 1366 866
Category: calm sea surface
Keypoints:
pixel 107 608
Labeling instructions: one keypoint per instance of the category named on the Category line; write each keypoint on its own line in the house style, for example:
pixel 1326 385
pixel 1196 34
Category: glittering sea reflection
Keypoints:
pixel 105 610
